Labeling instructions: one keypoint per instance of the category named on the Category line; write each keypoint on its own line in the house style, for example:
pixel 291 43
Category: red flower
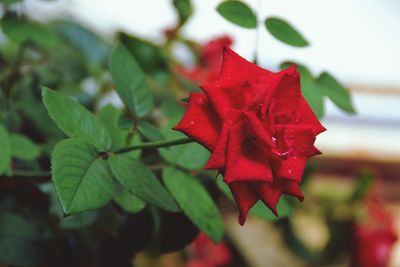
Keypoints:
pixel 259 129
pixel 210 56
pixel 374 237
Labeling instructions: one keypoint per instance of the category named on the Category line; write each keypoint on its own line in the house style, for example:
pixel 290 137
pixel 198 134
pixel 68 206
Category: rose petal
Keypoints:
pixel 200 121
pixel 245 198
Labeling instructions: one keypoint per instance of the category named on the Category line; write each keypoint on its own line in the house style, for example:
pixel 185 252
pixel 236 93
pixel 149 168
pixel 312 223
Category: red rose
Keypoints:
pixel 210 55
pixel 258 127
pixel 374 237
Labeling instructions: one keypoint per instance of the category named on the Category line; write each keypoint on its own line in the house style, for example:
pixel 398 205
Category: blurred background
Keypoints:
pixel 354 184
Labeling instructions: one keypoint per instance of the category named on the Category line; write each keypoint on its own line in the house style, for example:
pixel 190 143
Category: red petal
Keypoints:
pixel 245 162
pixel 200 121
pixel 307 117
pixel 291 168
pixel 244 197
pixel 218 156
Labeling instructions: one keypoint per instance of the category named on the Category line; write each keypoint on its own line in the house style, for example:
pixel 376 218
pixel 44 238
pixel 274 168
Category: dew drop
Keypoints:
pixel 200 101
pixel 289 171
pixel 230 122
pixel 191 122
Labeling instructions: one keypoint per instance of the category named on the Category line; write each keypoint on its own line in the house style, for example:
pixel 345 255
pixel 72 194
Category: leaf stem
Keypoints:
pixel 157 144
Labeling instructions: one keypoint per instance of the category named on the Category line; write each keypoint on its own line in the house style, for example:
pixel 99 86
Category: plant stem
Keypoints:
pixel 257 34
pixel 30 174
pixel 157 144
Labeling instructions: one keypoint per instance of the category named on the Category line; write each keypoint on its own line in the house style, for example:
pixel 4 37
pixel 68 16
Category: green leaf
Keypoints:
pixel 150 57
pixel 5 154
pixel 363 184
pixel 23 148
pixel 7 2
pixel 150 131
pixel 75 120
pixel 190 156
pixel 259 209
pixel 128 202
pixel 20 31
pixel 140 181
pixel 195 202
pixel 82 180
pixel 129 81
pixel 79 221
pixel 336 92
pixel 184 9
pixel 20 242
pixel 311 90
pixel 238 13
pixel 285 32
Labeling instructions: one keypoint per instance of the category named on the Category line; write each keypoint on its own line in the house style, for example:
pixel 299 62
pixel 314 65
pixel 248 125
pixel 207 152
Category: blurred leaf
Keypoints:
pixel 128 202
pixel 20 242
pixel 7 2
pixel 81 179
pixel 190 156
pixel 238 13
pixel 92 46
pixel 21 31
pixel 140 181
pixel 130 82
pixel 150 131
pixel 336 92
pixel 363 184
pixel 285 32
pixel 23 148
pixel 76 121
pixel 79 221
pixel 311 90
pixel 150 57
pixel 125 122
pixel 260 210
pixel 195 202
pixel 5 155
pixel 184 9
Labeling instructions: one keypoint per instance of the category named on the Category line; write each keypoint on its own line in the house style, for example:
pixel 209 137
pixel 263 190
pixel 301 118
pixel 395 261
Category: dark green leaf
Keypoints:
pixel 129 81
pixel 127 201
pixel 336 92
pixel 7 2
pixel 20 242
pixel 259 209
pixel 82 180
pixel 23 148
pixel 311 90
pixel 195 202
pixel 5 155
pixel 150 131
pixel 285 32
pixel 79 221
pixel 76 121
pixel 238 13
pixel 184 9
pixel 140 181
pixel 363 184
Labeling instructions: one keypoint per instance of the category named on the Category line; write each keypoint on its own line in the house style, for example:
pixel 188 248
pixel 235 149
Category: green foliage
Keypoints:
pixel 150 131
pixel 19 241
pixel 285 32
pixel 140 181
pixel 195 202
pixel 130 82
pixel 364 182
pixel 189 156
pixel 128 201
pixel 336 92
pixel 21 31
pixel 82 180
pixel 76 121
pixel 238 13
pixel 23 148
pixel 5 155
pixel 184 9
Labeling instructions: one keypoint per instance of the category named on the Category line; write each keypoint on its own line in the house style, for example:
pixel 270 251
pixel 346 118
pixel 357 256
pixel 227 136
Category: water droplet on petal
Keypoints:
pixel 191 122
pixel 230 122
pixel 200 101
pixel 289 171
pixel 273 139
